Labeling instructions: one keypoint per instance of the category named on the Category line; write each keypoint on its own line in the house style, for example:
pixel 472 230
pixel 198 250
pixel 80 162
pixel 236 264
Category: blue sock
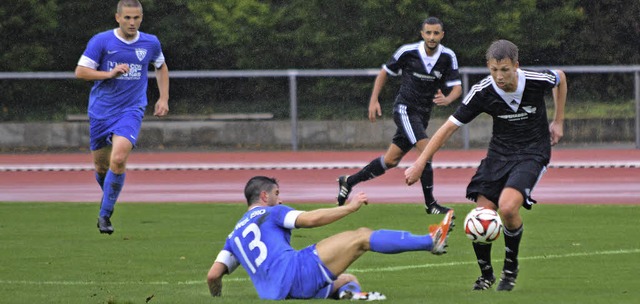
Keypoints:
pixel 395 241
pixel 100 180
pixel 351 286
pixel 112 186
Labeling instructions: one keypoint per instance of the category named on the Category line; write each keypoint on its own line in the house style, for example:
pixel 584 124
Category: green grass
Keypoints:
pixel 53 253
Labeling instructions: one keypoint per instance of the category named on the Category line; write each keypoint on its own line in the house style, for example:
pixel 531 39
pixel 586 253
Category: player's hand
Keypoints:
pixel 358 200
pixel 161 108
pixel 119 70
pixel 374 110
pixel 557 131
pixel 412 174
pixel 440 100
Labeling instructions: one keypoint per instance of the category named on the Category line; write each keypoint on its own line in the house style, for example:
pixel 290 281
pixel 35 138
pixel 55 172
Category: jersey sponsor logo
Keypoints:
pixel 514 117
pixel 257 213
pixel 141 53
pixel 424 77
pixel 135 70
pixel 241 224
pixel 530 109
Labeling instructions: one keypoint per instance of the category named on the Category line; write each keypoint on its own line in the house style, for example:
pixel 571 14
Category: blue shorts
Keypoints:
pixel 126 124
pixel 311 278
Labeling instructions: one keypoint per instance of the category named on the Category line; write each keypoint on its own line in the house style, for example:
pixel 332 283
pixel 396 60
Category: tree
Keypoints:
pixel 24 26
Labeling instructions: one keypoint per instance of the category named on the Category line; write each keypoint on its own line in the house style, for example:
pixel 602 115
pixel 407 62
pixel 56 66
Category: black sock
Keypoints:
pixel 483 254
pixel 426 179
pixel 512 246
pixel 374 169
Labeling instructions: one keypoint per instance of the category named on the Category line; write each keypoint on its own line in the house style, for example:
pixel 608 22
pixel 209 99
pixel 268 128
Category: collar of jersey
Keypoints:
pixel 115 32
pixel 426 59
pixel 516 96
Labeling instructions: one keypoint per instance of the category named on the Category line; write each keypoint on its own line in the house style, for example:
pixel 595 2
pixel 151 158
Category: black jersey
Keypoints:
pixel 422 75
pixel 520 125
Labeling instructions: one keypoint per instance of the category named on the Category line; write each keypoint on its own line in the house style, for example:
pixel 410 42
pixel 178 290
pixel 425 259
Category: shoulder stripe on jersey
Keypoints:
pixel 454 60
pixel 406 48
pixel 540 76
pixel 477 88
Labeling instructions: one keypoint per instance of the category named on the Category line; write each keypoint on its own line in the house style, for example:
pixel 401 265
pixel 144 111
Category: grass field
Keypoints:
pixel 160 253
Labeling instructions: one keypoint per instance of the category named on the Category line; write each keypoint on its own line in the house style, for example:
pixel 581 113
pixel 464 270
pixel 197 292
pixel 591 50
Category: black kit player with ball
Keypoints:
pixel 518 153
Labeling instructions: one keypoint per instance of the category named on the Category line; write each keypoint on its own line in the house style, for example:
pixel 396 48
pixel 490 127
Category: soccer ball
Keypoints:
pixel 482 225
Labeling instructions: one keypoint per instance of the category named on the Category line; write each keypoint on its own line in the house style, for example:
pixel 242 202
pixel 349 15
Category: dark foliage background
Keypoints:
pixel 50 35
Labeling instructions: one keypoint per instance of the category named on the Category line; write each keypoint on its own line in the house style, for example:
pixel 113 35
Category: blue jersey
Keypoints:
pixel 261 244
pixel 129 91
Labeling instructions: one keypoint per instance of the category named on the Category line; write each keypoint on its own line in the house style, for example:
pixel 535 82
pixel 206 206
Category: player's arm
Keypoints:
pixel 441 100
pixel 324 216
pixel 224 264
pixel 413 173
pixel 559 99
pixel 374 103
pixel 162 78
pixel 214 278
pixel 89 74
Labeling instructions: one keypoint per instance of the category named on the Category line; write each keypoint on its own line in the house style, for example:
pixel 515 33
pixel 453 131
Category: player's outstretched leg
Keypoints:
pixel 343 189
pixel 440 233
pixel 435 208
pixel 375 168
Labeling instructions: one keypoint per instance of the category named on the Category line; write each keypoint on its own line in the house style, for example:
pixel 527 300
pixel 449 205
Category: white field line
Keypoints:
pixel 355 270
pixel 294 166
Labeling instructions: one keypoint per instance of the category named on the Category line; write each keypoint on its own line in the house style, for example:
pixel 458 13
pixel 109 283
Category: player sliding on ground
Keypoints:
pixel 260 242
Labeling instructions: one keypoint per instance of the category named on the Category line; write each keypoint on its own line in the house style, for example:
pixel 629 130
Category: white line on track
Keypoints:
pixel 356 270
pixel 292 166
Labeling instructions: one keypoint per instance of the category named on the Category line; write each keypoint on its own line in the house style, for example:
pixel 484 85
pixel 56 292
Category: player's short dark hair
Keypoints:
pixel 432 21
pixel 128 3
pixel 501 49
pixel 256 185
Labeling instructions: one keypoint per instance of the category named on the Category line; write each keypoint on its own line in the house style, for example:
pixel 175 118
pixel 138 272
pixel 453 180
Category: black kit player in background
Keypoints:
pixel 518 153
pixel 427 69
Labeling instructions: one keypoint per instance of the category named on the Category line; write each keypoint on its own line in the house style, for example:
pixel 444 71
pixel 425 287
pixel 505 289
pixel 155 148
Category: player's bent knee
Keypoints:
pixel 364 232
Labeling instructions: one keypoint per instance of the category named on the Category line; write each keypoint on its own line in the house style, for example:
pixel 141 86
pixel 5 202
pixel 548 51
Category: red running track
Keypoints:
pixel 604 176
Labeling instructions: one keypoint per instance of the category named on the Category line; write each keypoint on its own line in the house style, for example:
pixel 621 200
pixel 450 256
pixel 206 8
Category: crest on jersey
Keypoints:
pixel 141 53
pixel 530 109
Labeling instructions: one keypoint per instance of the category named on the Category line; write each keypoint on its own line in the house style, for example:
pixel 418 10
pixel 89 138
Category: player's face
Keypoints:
pixel 504 73
pixel 273 197
pixel 432 34
pixel 129 20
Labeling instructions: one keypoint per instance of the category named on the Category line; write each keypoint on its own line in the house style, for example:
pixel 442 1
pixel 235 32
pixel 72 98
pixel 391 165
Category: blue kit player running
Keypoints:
pixel 427 68
pixel 117 61
pixel 518 153
pixel 260 242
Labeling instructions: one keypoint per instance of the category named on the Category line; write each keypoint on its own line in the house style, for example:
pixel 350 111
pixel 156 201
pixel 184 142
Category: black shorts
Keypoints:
pixel 494 175
pixel 411 126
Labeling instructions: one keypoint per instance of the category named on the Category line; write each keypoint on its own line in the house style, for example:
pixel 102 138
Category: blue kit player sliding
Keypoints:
pixel 260 242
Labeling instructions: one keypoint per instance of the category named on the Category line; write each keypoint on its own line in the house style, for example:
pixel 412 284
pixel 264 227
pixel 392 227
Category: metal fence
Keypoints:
pixel 293 75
